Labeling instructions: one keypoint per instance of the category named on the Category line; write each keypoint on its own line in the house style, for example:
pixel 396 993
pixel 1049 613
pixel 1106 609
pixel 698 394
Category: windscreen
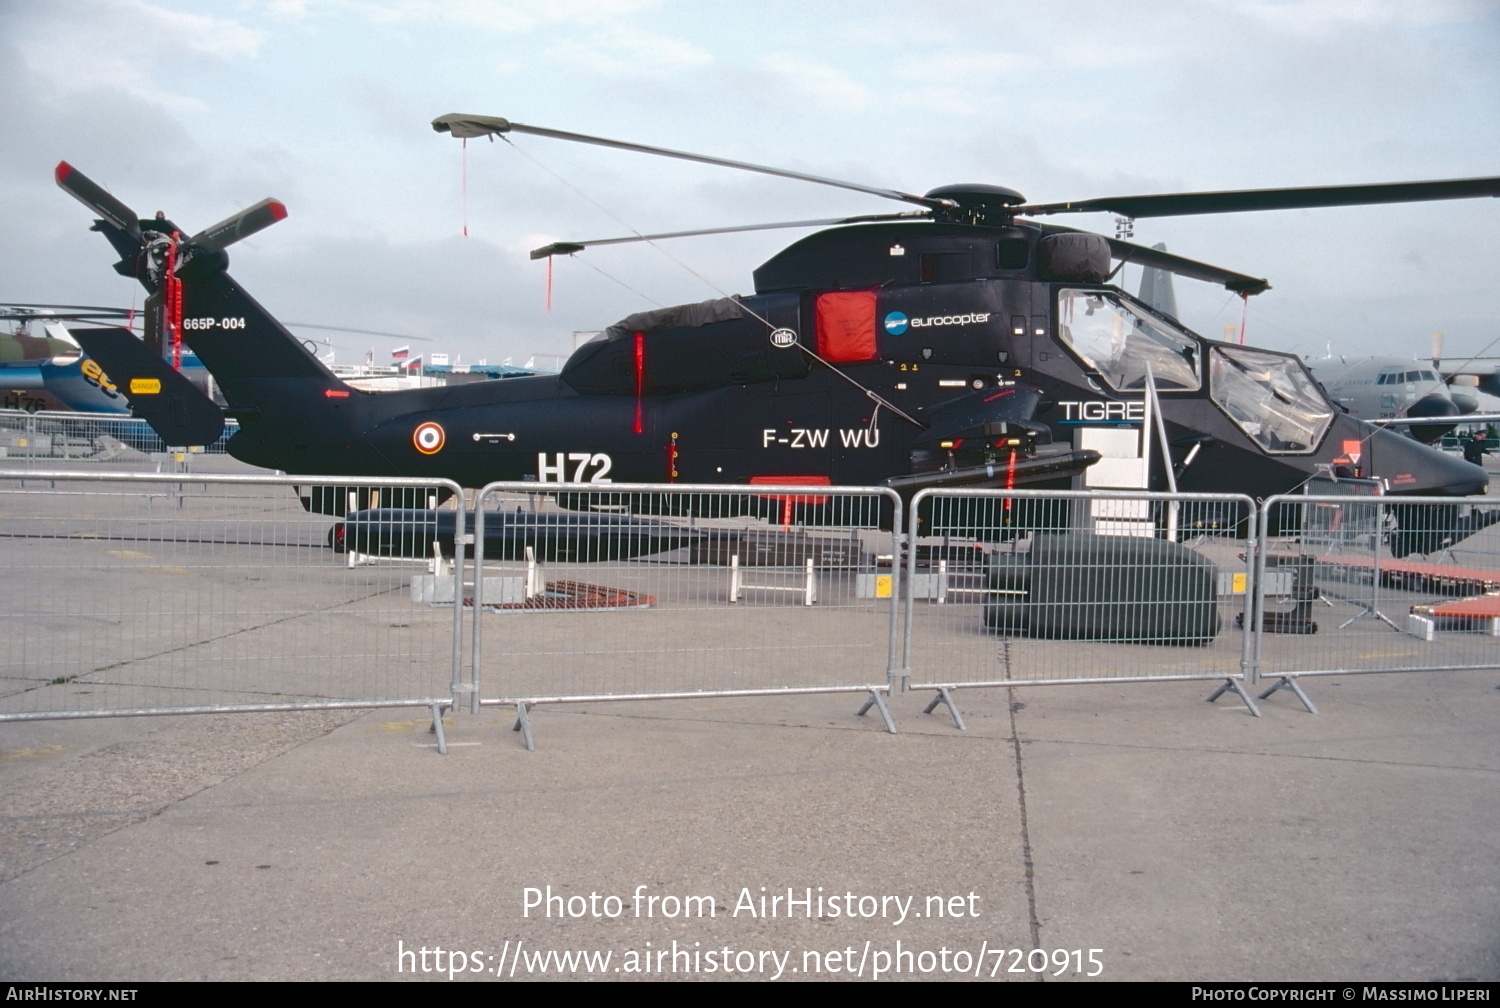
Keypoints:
pixel 1118 341
pixel 1271 398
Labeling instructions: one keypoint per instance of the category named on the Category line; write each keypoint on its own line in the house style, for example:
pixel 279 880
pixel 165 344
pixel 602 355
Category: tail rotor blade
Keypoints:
pixel 92 195
pixel 242 225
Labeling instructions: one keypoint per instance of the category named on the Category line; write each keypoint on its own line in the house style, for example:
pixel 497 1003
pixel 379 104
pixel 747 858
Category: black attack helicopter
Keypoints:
pixel 961 344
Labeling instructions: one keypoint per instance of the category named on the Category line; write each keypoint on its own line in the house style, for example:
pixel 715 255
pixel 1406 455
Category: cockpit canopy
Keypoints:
pixel 1269 396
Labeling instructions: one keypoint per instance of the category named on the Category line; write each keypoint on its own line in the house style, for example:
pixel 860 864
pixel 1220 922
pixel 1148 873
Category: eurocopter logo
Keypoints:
pixel 897 323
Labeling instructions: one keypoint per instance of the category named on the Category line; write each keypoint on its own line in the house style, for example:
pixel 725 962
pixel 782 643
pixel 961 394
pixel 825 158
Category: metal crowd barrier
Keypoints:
pixel 44 440
pixel 1361 584
pixel 237 600
pixel 1033 588
pixel 671 591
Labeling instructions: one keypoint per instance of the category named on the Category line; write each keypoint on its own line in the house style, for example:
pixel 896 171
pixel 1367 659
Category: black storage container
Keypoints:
pixel 1108 588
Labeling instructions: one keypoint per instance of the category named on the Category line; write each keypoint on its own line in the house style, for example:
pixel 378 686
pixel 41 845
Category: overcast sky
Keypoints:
pixel 199 109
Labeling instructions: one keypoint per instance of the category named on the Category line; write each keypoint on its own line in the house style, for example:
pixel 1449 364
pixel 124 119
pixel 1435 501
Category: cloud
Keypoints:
pixel 286 10
pixel 1321 17
pixel 493 15
pixel 77 46
pixel 829 88
pixel 621 51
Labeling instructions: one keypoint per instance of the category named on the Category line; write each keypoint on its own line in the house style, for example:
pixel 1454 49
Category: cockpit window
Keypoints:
pixel 1397 376
pixel 1271 398
pixel 1119 342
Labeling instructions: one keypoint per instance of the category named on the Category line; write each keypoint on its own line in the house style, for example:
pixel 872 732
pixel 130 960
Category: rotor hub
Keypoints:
pixel 978 195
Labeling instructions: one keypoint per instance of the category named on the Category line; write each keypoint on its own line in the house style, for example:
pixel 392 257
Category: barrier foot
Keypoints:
pixel 523 725
pixel 876 701
pixel 437 729
pixel 945 697
pixel 1289 682
pixel 1234 684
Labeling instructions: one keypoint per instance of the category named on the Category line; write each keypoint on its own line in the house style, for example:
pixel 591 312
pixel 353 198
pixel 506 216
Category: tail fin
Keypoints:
pixel 178 412
pixel 1157 289
pixel 243 346
pixel 194 299
pixel 78 383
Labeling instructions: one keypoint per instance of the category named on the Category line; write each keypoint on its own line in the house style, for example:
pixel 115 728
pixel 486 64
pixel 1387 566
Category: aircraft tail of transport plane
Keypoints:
pixel 971 349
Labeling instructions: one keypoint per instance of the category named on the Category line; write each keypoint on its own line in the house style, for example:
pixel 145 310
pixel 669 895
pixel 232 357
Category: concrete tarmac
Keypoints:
pixel 1181 840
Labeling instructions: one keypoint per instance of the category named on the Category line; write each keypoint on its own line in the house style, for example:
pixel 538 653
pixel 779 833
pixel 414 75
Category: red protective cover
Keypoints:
pixel 846 326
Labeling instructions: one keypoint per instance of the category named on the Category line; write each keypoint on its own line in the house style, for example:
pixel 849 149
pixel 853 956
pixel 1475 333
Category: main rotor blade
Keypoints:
pixel 242 225
pixel 461 125
pixel 360 332
pixel 45 312
pixel 31 316
pixel 568 248
pixel 1164 260
pixel 1235 201
pixel 92 195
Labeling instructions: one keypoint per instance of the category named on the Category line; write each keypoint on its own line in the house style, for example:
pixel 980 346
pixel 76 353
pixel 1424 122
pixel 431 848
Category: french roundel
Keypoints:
pixel 428 438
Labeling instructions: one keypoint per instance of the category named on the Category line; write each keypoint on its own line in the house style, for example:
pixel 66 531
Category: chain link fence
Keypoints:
pixel 1355 584
pixel 1032 588
pixel 143 594
pixel 65 440
pixel 667 591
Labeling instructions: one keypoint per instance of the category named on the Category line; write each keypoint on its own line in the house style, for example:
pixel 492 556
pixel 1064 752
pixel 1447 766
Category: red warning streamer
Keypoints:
pixel 172 302
pixel 1010 478
pixel 640 379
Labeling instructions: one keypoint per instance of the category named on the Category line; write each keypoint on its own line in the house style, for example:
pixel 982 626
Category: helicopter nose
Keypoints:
pixel 1411 467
